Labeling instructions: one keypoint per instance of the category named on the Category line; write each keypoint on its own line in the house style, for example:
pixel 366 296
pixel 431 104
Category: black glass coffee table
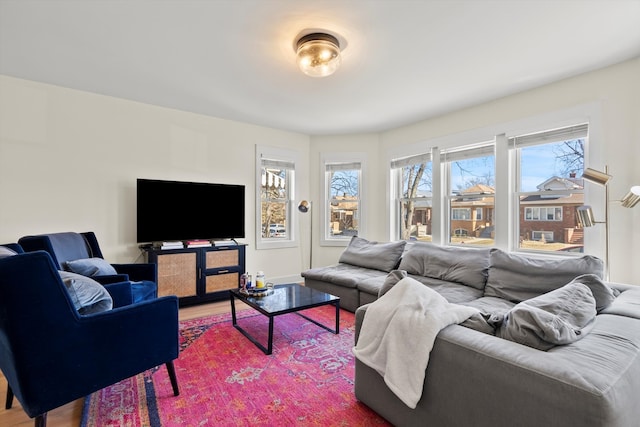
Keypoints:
pixel 291 298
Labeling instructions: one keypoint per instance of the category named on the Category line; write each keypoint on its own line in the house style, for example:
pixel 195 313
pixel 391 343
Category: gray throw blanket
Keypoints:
pixel 398 332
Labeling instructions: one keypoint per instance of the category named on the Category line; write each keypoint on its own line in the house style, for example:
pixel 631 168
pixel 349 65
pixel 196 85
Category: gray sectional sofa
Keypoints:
pixel 506 365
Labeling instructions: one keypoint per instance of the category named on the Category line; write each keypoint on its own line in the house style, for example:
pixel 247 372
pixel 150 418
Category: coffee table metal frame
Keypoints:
pixel 257 304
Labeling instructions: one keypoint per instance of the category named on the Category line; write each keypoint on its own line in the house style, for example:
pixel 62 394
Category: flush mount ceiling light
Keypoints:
pixel 318 54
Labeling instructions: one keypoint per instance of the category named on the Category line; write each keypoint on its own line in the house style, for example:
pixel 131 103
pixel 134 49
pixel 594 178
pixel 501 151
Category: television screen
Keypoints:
pixel 177 210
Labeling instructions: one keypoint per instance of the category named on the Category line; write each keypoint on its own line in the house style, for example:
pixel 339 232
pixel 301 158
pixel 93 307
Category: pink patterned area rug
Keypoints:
pixel 225 380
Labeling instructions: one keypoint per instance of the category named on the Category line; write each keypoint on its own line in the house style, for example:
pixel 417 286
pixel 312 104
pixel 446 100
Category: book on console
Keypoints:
pixel 229 242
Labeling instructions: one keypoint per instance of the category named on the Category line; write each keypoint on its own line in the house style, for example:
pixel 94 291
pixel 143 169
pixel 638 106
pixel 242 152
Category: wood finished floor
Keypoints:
pixel 70 415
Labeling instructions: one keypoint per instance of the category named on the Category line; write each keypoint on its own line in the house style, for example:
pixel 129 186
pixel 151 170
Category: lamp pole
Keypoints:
pixel 304 207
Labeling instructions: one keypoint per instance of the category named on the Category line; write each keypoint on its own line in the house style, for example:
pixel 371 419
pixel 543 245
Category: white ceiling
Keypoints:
pixel 404 61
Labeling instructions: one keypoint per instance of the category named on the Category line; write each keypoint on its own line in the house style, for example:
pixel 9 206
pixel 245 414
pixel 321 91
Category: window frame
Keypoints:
pixel 338 158
pixel 273 154
pixel 579 129
pixel 476 150
pixel 505 209
pixel 397 166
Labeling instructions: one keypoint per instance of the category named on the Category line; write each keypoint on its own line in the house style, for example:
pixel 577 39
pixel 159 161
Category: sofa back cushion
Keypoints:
pixel 378 256
pixel 517 277
pixel 468 266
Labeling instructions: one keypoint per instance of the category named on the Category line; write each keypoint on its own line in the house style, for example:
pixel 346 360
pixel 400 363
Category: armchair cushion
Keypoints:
pixel 87 295
pixel 90 267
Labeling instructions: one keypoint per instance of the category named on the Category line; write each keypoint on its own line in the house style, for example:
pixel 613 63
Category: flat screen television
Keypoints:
pixel 178 210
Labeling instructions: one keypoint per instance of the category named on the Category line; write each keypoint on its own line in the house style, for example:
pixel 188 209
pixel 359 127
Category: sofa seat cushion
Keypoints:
pixel 454 293
pixel 347 275
pixel 468 266
pixel 627 303
pixel 590 382
pixel 517 278
pixel 373 285
pixel 374 255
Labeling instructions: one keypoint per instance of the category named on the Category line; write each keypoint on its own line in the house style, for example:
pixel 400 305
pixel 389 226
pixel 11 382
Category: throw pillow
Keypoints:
pixel 6 252
pixel 378 256
pixel 392 278
pixel 603 294
pixel 87 295
pixel 90 267
pixel 559 317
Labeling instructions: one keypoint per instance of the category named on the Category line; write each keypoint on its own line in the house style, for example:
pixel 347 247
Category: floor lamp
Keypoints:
pixel 584 214
pixel 305 207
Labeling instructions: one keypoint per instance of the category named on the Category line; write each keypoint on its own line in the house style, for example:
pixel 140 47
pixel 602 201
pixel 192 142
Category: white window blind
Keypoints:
pixel 468 152
pixel 333 167
pixel 409 161
pixel 277 164
pixel 554 135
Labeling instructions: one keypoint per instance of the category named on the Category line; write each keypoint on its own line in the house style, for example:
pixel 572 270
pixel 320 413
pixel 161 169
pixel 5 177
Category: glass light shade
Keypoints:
pixel 596 176
pixel 632 197
pixel 584 216
pixel 318 54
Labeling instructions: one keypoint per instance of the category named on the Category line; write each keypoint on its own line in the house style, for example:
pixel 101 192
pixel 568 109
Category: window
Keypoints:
pixel 276 172
pixel 542 236
pixel 548 190
pixel 552 213
pixel 478 214
pixel 413 189
pixel 463 214
pixel 343 189
pixel 470 178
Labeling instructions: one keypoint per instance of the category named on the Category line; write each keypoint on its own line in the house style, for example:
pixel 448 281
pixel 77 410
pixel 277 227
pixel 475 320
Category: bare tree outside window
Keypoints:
pixel 415 204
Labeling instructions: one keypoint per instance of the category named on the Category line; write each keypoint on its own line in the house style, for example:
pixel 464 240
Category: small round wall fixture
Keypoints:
pixel 318 54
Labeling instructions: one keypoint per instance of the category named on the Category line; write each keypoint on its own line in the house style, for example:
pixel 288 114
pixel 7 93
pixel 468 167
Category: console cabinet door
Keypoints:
pixel 178 274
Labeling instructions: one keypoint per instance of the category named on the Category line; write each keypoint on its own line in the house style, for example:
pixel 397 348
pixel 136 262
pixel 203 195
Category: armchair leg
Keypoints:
pixel 172 376
pixel 41 420
pixel 9 401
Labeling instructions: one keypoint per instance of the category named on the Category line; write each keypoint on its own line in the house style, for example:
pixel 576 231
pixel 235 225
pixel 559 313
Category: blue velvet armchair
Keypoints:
pixel 51 355
pixel 70 247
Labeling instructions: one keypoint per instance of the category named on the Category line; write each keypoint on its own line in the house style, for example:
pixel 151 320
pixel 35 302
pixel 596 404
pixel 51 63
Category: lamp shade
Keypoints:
pixel 584 216
pixel 318 54
pixel 632 197
pixel 596 176
pixel 304 206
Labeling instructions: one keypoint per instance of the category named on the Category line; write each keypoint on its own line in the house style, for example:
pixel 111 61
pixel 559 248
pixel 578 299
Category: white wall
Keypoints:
pixel 373 179
pixel 69 162
pixel 69 159
pixel 611 96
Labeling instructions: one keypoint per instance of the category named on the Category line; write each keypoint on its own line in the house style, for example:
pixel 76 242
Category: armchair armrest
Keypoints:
pixel 138 272
pixel 120 293
pixel 110 346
